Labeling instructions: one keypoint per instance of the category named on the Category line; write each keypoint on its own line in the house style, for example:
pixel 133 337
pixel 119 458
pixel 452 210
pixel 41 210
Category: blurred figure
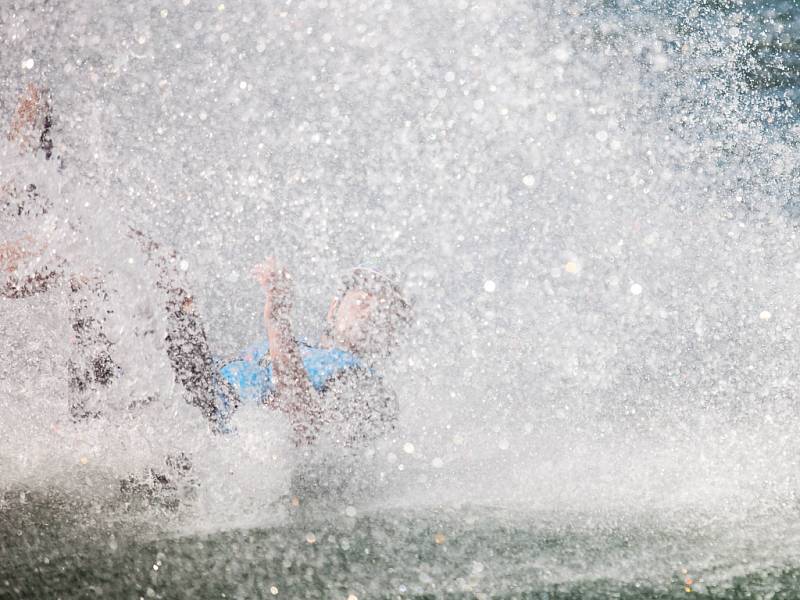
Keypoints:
pixel 331 389
pixel 28 267
pixel 29 132
pixel 333 392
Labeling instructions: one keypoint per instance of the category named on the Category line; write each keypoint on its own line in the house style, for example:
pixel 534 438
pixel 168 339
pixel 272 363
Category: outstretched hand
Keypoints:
pixel 277 284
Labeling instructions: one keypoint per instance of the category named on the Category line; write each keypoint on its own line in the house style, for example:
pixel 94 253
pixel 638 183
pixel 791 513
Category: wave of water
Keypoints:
pixel 592 205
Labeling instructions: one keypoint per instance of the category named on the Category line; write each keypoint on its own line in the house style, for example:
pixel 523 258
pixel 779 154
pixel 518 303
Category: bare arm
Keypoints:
pixel 293 392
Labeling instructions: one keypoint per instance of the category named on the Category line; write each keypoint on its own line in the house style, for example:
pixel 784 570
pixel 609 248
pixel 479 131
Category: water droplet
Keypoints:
pixel 529 180
pixel 489 286
pixel 408 448
pixel 636 289
pixel 765 315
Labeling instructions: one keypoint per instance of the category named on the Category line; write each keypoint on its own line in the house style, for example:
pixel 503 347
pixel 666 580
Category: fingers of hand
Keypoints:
pixel 263 275
pixel 271 273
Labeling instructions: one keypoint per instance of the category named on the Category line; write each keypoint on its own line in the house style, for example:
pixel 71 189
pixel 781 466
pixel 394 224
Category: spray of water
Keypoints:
pixel 592 207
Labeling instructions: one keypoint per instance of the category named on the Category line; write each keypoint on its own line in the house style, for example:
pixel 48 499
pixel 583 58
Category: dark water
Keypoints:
pixel 56 547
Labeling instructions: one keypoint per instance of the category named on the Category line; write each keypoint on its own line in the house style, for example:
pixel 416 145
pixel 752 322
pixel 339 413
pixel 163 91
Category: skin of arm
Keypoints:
pixel 293 392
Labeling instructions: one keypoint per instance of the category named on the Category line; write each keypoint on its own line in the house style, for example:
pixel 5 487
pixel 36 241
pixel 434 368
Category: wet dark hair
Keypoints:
pixel 382 287
pixel 396 316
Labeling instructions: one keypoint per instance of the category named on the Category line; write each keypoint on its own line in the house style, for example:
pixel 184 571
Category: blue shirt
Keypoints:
pixel 249 375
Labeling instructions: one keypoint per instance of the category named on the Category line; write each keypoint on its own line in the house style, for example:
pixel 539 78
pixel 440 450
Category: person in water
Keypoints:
pixel 30 132
pixel 28 269
pixel 331 389
pixel 32 265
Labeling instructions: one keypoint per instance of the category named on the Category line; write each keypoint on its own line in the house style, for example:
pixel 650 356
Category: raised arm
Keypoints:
pixel 293 392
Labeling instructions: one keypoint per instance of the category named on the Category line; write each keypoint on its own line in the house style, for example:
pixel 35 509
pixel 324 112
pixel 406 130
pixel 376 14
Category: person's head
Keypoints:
pixel 368 313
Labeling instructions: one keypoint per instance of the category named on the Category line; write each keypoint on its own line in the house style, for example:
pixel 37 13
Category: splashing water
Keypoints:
pixel 594 209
